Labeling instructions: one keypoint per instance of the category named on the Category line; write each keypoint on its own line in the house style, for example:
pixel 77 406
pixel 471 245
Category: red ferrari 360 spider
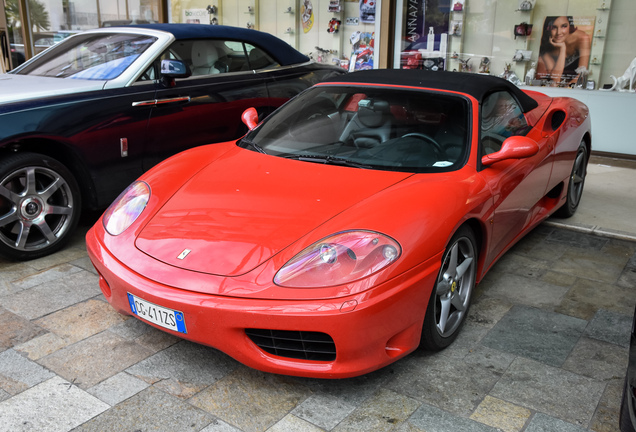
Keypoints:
pixel 349 227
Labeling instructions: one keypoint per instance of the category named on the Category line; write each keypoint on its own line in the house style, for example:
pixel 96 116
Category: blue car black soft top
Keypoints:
pixel 282 52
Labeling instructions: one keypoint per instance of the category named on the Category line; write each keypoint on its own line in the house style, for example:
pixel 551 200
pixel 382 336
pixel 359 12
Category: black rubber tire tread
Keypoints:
pixel 569 206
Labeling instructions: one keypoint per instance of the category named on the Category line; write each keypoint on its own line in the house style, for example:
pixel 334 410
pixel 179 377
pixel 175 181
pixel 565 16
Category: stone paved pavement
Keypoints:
pixel 544 349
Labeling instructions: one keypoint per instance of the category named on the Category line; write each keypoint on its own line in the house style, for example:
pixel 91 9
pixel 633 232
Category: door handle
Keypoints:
pixel 173 100
pixel 154 102
pixel 145 103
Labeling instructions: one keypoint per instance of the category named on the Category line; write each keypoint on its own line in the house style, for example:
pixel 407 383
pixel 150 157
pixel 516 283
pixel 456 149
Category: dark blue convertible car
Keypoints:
pixel 87 116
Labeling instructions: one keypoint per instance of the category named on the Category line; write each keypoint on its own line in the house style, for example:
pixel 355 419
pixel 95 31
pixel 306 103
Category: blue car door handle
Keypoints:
pixel 161 101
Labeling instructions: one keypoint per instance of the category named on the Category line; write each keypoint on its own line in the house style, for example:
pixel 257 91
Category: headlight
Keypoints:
pixel 126 208
pixel 339 259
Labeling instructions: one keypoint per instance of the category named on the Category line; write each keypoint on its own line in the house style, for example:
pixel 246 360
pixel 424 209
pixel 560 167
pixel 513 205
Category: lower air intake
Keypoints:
pixel 294 344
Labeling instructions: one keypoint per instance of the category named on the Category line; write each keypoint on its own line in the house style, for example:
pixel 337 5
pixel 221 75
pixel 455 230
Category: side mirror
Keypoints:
pixel 171 69
pixel 515 147
pixel 250 118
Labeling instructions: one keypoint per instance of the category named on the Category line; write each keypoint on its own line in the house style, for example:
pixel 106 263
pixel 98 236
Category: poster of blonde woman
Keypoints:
pixel 565 49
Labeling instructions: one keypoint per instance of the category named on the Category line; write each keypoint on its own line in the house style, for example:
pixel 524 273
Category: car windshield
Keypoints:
pixel 101 56
pixel 370 127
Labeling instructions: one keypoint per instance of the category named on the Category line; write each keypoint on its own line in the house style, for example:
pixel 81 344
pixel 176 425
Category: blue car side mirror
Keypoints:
pixel 171 69
pixel 175 69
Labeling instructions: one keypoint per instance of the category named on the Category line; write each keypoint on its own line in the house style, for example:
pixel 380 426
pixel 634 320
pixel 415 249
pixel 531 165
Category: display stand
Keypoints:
pixel 456 60
pixel 598 40
pixel 522 43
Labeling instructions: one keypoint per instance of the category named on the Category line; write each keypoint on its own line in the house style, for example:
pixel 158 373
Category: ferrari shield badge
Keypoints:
pixel 184 254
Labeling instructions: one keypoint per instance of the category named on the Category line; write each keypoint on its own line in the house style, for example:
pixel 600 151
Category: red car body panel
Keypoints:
pixel 247 227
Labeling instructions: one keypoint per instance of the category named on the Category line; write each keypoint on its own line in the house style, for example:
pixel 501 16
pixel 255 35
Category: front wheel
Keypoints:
pixel 39 206
pixel 575 184
pixel 450 298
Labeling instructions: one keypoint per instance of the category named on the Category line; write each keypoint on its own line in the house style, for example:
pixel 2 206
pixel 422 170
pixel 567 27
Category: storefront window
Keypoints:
pixel 50 21
pixel 573 43
pixel 340 32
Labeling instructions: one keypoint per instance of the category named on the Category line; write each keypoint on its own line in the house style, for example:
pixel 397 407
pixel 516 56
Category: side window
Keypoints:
pixel 501 117
pixel 208 57
pixel 259 59
pixel 211 57
pixel 148 75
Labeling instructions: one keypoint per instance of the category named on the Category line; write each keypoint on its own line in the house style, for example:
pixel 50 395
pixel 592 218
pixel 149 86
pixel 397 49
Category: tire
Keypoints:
pixel 451 296
pixel 40 206
pixel 625 420
pixel 575 184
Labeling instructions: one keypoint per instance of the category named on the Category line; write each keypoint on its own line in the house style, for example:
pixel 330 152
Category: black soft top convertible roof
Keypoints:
pixel 475 85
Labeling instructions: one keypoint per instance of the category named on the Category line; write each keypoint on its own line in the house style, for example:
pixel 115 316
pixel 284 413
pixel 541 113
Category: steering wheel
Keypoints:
pixel 428 139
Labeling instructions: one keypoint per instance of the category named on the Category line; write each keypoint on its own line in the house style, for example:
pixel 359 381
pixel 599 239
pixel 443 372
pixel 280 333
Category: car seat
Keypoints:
pixel 370 126
pixel 204 57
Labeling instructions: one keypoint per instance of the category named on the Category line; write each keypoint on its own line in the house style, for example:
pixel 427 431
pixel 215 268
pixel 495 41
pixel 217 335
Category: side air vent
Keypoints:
pixel 558 117
pixel 294 344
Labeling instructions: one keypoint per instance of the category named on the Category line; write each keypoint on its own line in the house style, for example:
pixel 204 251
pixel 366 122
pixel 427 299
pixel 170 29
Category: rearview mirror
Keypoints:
pixel 515 147
pixel 250 118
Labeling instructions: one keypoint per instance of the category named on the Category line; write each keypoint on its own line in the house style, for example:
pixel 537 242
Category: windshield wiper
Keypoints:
pixel 253 145
pixel 328 160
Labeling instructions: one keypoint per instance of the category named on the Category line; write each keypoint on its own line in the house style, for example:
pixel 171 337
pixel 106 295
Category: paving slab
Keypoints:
pixel 533 333
pixel 431 419
pixel 118 388
pixel 151 410
pixel 46 298
pixel 381 413
pixel 550 390
pixel 184 369
pixel 95 359
pixel 18 373
pixel 250 400
pixel 16 329
pixel 51 406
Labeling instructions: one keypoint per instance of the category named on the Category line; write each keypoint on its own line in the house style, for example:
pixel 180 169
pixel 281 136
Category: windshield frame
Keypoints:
pixel 131 73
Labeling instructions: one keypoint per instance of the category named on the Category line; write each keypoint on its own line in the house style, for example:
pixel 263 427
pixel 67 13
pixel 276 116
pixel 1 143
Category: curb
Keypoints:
pixel 594 230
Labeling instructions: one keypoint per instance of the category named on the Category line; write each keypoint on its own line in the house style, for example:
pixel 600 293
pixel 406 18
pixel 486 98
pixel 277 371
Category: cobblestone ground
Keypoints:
pixel 544 349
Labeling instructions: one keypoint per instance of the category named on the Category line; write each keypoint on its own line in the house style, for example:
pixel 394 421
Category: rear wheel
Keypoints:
pixel 625 419
pixel 575 184
pixel 39 206
pixel 450 299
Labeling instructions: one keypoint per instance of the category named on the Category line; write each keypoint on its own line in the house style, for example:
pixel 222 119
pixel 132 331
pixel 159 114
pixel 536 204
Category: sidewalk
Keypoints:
pixel 608 206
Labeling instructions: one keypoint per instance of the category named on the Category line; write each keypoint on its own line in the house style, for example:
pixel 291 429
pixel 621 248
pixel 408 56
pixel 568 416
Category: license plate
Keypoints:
pixel 164 317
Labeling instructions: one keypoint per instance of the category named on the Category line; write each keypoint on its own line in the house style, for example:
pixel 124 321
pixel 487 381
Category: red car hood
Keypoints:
pixel 239 211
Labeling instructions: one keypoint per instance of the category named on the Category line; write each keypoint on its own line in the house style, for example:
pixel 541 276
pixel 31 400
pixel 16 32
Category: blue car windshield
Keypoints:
pixel 92 57
pixel 369 127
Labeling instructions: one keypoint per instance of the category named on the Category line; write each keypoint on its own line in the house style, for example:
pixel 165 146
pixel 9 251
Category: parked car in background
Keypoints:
pixel 41 42
pixel 82 120
pixel 349 226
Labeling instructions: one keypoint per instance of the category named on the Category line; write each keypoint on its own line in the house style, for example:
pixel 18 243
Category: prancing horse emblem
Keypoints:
pixel 184 254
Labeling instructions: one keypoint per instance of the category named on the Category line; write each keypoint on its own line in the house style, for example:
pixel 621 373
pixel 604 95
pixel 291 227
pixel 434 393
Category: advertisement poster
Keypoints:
pixel 425 33
pixel 196 16
pixel 367 11
pixel 307 14
pixel 564 52
pixel 361 51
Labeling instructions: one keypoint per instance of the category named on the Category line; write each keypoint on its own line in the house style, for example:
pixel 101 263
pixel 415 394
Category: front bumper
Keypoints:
pixel 369 331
